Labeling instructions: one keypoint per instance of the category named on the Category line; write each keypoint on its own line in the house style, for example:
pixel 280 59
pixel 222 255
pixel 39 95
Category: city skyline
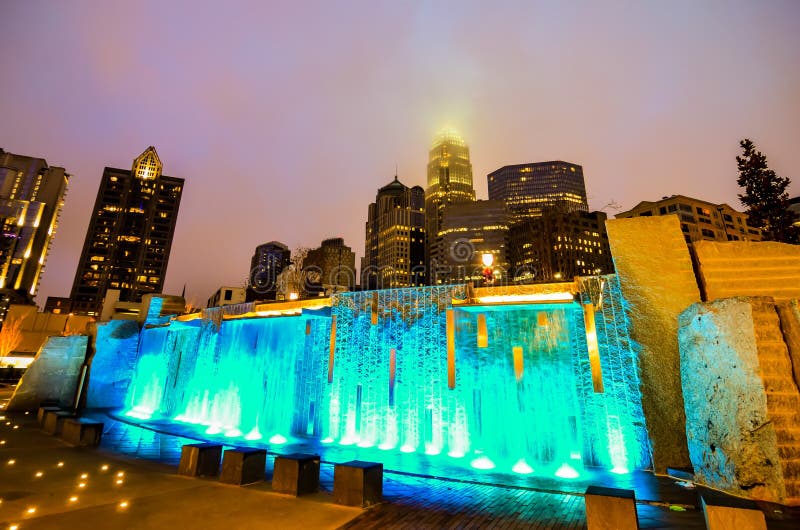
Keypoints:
pixel 660 120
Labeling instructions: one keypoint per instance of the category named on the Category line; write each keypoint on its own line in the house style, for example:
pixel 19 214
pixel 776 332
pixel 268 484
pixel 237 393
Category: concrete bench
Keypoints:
pixel 40 414
pixel 296 474
pixel 358 483
pixel 54 421
pixel 79 431
pixel 243 466
pixel 726 512
pixel 610 509
pixel 200 460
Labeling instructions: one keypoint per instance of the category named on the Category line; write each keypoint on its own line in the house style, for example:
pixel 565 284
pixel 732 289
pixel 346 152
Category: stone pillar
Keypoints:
pixel 657 280
pixel 742 403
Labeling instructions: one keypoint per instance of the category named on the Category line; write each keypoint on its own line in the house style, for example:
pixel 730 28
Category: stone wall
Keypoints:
pixel 116 346
pixel 742 404
pixel 657 280
pixel 53 375
pixel 747 268
pixel 789 312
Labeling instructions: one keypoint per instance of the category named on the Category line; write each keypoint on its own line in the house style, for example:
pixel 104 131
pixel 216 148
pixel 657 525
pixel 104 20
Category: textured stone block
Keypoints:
pixel 658 282
pixel 741 418
pixel 610 509
pixel 748 268
pixel 296 474
pixel 200 460
pixel 358 483
pixel 40 414
pixel 78 431
pixel 52 375
pixel 789 313
pixel 732 514
pixel 243 466
pixel 54 421
pixel 115 346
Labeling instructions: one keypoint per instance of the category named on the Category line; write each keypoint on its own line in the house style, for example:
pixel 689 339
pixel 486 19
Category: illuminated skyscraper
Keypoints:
pixel 449 182
pixel 130 234
pixel 268 262
pixel 31 198
pixel 529 190
pixel 394 249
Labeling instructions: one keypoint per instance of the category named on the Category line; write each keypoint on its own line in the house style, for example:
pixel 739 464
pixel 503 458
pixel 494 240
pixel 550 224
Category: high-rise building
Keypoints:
pixel 130 234
pixel 700 220
pixel 469 231
pixel 794 207
pixel 559 246
pixel 330 267
pixel 268 261
pixel 394 253
pixel 31 198
pixel 529 190
pixel 449 182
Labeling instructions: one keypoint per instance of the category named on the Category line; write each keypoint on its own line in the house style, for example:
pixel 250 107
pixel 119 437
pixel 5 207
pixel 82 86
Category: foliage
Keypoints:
pixel 765 196
pixel 10 336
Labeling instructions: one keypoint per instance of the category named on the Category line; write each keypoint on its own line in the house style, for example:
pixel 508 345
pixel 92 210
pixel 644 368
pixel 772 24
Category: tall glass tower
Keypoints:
pixel 449 182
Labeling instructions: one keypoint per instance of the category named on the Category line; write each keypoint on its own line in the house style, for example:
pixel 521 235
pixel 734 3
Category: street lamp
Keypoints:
pixel 488 260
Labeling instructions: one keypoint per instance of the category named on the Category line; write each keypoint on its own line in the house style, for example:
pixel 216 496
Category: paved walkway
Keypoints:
pixel 150 495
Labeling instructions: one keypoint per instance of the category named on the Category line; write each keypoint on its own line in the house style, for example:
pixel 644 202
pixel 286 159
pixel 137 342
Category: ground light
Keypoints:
pixel 482 462
pixel 566 471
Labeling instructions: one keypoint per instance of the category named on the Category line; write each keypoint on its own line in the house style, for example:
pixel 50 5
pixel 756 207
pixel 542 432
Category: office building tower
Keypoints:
pixel 268 261
pixel 529 190
pixel 330 267
pixel 31 197
pixel 700 220
pixel 394 253
pixel 559 246
pixel 130 233
pixel 449 182
pixel 471 230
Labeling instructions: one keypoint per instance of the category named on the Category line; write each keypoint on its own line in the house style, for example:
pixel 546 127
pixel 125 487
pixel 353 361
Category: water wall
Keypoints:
pixel 503 386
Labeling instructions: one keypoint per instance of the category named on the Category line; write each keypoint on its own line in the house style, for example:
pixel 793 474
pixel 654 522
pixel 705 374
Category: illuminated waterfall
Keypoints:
pixel 522 399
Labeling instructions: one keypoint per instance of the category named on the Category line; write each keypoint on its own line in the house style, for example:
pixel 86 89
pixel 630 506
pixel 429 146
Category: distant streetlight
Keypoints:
pixel 488 261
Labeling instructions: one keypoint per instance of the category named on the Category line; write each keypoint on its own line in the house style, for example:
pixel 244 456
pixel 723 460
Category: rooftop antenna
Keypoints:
pixel 395 170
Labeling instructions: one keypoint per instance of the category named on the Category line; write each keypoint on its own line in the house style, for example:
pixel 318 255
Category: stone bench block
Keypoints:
pixel 54 421
pixel 296 474
pixel 40 414
pixel 610 509
pixel 722 513
pixel 78 431
pixel 200 460
pixel 358 483
pixel 243 466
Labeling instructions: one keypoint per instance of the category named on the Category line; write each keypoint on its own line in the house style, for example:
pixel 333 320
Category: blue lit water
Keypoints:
pixel 387 389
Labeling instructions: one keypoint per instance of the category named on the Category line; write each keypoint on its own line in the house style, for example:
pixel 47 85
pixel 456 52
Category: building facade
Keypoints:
pixel 530 190
pixel 559 246
pixel 794 207
pixel 267 263
pixel 129 238
pixel 394 250
pixel 31 197
pixel 330 267
pixel 449 182
pixel 469 231
pixel 700 220
pixel 227 296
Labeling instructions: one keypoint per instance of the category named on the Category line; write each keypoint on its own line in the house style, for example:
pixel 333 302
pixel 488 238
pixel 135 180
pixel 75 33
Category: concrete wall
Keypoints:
pixel 742 403
pixel 116 346
pixel 656 278
pixel 743 268
pixel 52 375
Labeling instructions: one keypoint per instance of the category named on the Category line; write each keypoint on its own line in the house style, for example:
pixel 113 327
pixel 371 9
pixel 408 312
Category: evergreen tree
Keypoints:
pixel 765 196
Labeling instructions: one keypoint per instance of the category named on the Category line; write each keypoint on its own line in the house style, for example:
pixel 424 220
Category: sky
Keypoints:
pixel 285 118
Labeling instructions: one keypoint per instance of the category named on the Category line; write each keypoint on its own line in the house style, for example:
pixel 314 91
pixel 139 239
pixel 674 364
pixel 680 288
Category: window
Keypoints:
pixel 708 233
pixel 672 207
pixel 228 295
pixel 662 211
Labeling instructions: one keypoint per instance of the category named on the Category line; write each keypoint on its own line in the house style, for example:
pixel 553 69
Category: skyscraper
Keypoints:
pixel 529 190
pixel 31 198
pixel 394 250
pixel 449 182
pixel 330 266
pixel 268 261
pixel 130 234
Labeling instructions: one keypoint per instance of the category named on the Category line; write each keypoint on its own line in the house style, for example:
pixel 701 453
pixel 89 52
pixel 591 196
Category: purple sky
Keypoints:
pixel 285 120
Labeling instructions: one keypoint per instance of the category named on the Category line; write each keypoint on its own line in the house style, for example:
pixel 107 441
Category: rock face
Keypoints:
pixel 748 268
pixel 742 404
pixel 116 346
pixel 789 312
pixel 657 280
pixel 53 375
